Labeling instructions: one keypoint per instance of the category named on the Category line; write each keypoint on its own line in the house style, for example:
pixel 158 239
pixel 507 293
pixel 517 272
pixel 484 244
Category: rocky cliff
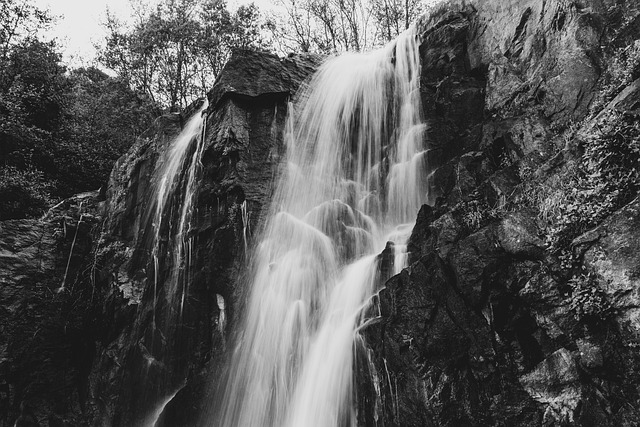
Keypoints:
pixel 47 327
pixel 520 305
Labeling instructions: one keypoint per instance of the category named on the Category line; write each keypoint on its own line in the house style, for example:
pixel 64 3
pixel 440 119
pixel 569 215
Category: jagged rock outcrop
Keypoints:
pixel 79 354
pixel 497 320
pixel 242 149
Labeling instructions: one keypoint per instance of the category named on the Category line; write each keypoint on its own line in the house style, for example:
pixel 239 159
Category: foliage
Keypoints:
pixel 174 53
pixel 60 131
pixel 476 213
pixel 606 179
pixel 19 20
pixel 102 117
pixel 394 16
pixel 589 303
pixel 622 68
pixel 32 84
pixel 23 193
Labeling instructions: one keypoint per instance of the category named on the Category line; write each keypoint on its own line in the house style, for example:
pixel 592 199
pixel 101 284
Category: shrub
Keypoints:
pixel 607 178
pixel 23 193
pixel 475 214
pixel 589 303
pixel 622 69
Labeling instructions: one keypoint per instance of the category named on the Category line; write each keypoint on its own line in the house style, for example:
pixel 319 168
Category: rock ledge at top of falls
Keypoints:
pixel 253 74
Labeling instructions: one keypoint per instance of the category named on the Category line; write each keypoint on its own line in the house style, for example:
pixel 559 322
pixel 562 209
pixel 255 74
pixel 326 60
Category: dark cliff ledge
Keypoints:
pixel 258 74
pixel 520 303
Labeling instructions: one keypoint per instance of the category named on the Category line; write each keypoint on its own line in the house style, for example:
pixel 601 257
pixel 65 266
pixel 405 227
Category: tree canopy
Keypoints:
pixel 60 130
pixel 174 52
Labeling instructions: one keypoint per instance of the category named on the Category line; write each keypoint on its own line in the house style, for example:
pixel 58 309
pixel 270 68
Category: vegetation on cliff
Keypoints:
pixel 60 129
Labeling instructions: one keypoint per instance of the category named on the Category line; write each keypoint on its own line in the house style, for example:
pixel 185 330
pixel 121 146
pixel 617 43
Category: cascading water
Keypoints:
pixel 170 216
pixel 353 179
pixel 177 174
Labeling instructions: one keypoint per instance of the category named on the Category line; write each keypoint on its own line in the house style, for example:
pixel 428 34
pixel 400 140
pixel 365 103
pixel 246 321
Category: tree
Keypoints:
pixel 394 16
pixel 19 20
pixel 174 53
pixel 102 118
pixel 324 26
pixel 60 131
pixel 32 84
pixel 329 26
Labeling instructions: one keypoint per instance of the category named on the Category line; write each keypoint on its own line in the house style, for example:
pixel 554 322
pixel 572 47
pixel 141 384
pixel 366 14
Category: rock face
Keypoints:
pixel 47 329
pixel 494 323
pixel 490 325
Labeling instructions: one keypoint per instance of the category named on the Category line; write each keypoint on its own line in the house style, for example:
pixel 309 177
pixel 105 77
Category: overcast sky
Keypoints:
pixel 79 24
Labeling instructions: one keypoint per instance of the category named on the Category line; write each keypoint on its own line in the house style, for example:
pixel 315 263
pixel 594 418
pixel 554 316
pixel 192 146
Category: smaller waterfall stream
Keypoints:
pixel 177 177
pixel 353 180
pixel 170 216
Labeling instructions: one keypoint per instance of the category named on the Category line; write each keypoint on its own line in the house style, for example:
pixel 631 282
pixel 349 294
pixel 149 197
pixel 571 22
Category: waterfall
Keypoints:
pixel 353 180
pixel 176 175
pixel 169 225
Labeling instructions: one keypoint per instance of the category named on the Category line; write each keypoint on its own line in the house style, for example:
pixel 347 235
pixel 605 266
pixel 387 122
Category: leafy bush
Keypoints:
pixel 475 214
pixel 589 303
pixel 607 178
pixel 102 118
pixel 23 193
pixel 622 69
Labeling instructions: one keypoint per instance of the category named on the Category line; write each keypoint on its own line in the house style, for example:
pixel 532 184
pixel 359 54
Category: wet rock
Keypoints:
pixel 590 354
pixel 475 262
pixel 518 236
pixel 540 51
pixel 481 329
pixel 452 96
pixel 500 187
pixel 447 231
pixel 46 310
pixel 253 74
pixel 421 240
pixel 555 384
pixel 526 69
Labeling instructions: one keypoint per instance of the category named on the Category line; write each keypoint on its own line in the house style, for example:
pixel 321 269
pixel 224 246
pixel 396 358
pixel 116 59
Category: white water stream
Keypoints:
pixel 172 210
pixel 177 174
pixel 354 180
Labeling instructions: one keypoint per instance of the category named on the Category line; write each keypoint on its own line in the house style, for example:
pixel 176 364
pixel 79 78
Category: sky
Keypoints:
pixel 78 26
